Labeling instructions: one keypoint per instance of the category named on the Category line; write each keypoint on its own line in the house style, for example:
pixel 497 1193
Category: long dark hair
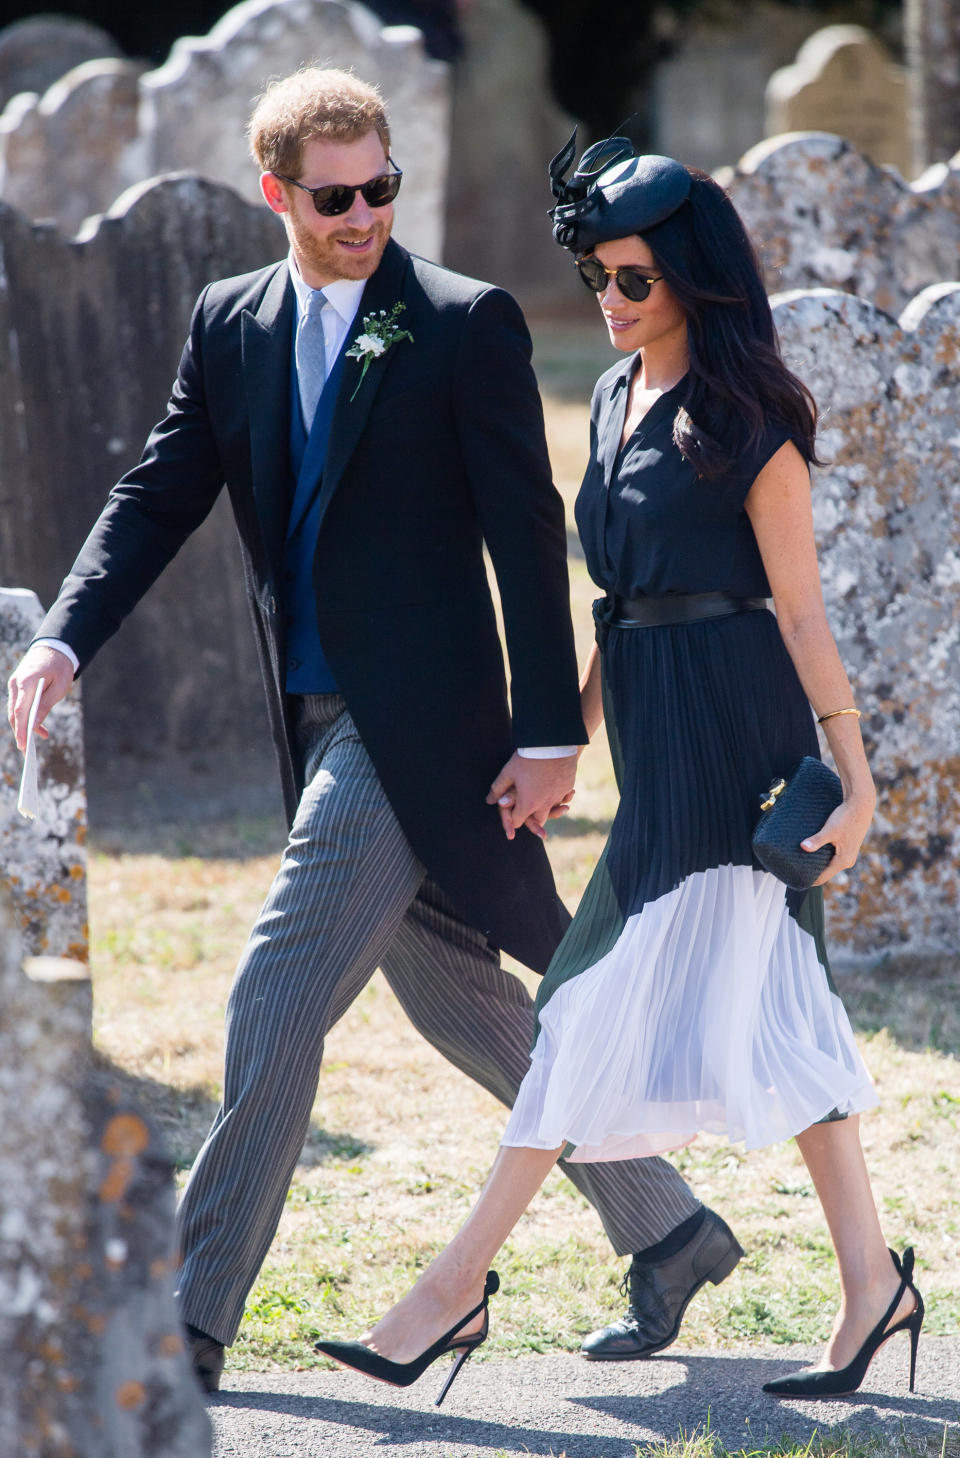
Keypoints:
pixel 738 382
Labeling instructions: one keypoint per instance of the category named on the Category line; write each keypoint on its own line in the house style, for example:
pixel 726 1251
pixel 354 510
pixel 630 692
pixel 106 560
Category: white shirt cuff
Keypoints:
pixel 61 647
pixel 549 751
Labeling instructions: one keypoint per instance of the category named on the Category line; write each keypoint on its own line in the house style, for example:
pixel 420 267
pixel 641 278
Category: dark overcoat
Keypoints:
pixel 437 450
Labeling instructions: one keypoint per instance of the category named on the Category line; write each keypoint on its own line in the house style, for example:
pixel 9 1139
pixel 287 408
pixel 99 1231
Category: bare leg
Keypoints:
pixel 868 1280
pixel 452 1285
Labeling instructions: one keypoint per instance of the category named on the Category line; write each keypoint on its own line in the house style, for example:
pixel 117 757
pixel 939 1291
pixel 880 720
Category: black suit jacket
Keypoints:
pixel 440 449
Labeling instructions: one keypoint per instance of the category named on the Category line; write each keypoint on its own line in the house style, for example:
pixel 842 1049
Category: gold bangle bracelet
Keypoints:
pixel 834 712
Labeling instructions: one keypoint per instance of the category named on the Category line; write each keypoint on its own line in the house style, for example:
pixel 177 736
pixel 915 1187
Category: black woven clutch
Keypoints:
pixel 790 811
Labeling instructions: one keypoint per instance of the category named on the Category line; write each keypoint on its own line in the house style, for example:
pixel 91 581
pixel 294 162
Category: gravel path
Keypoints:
pixel 562 1405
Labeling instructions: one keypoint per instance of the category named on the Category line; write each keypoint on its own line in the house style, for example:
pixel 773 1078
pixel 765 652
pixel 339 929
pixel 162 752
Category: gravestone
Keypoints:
pixel 823 214
pixel 191 114
pixel 39 50
pixel 505 129
pixel 90 335
pixel 94 1365
pixel 93 112
pixel 887 516
pixel 844 82
pixel 709 104
pixel 43 861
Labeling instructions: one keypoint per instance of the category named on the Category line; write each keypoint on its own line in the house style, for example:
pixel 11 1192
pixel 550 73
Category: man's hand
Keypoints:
pixel 38 662
pixel 531 791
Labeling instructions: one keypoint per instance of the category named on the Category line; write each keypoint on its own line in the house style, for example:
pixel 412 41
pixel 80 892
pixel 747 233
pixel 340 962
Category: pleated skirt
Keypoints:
pixel 692 990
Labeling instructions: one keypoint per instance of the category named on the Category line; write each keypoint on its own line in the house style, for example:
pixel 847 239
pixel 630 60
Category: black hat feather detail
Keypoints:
pixel 613 192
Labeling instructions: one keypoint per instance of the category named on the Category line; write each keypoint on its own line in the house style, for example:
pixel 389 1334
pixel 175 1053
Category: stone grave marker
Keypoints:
pixel 823 214
pixel 506 127
pixel 191 114
pixel 92 111
pixel 844 82
pixel 43 861
pixel 39 50
pixel 887 516
pixel 94 1362
pixel 90 336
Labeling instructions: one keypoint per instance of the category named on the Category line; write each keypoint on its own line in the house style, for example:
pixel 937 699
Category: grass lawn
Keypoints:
pixel 400 1142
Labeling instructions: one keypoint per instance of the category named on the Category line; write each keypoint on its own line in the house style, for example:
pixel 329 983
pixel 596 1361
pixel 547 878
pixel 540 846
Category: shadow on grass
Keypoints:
pixel 322 1147
pixel 183 1117
pixel 223 807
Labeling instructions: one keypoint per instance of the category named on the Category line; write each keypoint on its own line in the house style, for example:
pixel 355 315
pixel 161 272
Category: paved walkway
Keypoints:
pixel 542 1407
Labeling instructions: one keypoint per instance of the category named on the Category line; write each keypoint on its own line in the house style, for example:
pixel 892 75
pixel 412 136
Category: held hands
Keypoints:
pixel 532 791
pixel 38 662
pixel 845 830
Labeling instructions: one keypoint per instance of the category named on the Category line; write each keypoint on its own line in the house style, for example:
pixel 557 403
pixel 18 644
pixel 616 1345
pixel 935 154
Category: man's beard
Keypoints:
pixel 324 255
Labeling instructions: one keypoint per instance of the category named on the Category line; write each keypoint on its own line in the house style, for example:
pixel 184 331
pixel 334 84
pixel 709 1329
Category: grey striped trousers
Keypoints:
pixel 350 895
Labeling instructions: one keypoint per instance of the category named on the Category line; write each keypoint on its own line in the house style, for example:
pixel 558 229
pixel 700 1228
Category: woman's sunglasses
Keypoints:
pixel 337 197
pixel 633 283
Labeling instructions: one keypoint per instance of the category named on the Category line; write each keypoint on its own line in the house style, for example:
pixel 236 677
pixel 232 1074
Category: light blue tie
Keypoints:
pixel 311 356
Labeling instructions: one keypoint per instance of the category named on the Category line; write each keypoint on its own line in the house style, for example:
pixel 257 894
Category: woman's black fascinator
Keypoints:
pixel 613 192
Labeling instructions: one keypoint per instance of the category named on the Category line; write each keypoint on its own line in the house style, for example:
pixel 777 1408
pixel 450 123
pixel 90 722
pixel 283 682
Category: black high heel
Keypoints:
pixel 815 1382
pixel 402 1374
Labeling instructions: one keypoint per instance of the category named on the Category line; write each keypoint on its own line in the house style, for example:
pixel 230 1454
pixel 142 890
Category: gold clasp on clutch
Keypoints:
pixel 772 794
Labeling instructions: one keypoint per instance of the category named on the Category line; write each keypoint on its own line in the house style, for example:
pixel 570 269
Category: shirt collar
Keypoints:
pixel 343 294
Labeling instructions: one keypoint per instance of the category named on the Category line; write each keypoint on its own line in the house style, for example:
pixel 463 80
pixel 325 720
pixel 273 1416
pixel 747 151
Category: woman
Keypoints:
pixel 692 990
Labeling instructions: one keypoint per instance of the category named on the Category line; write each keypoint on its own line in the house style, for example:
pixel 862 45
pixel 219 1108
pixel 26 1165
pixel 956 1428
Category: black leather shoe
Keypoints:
pixel 206 1358
pixel 660 1293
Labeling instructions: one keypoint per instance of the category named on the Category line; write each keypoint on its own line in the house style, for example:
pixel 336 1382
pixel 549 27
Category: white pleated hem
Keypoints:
pixel 711 1013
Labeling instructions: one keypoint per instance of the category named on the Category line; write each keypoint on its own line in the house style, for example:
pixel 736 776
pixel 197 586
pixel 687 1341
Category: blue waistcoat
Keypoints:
pixel 307 669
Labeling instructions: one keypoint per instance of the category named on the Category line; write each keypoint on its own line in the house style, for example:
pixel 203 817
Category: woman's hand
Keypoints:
pixel 529 792
pixel 845 830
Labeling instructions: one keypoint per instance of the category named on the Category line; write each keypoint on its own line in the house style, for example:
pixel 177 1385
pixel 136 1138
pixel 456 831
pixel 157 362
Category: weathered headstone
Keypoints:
pixel 94 1365
pixel 823 214
pixel 843 81
pixel 191 113
pixel 506 127
pixel 93 112
pixel 887 511
pixel 43 861
pixel 90 336
pixel 710 92
pixel 39 50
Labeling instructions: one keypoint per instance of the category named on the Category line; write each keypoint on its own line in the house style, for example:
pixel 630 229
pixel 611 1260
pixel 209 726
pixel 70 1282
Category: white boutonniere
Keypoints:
pixel 380 331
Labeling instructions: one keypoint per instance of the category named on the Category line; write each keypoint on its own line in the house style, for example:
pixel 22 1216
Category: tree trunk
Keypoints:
pixel 932 33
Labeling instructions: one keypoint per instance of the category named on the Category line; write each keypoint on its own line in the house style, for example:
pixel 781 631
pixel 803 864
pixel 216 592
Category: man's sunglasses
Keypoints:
pixel 337 197
pixel 633 283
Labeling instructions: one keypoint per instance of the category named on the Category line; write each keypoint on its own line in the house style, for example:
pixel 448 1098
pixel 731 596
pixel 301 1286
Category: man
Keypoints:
pixel 376 420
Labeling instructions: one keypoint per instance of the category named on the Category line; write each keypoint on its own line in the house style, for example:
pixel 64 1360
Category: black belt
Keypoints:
pixel 657 612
